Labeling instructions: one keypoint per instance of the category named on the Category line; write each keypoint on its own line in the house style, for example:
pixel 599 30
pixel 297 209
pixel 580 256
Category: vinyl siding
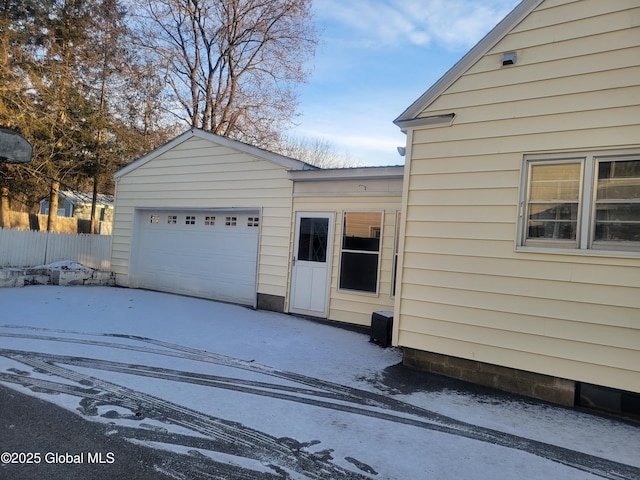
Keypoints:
pixel 467 291
pixel 200 174
pixel 348 307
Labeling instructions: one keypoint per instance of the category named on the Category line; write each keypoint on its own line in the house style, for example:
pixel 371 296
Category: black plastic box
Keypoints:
pixel 381 328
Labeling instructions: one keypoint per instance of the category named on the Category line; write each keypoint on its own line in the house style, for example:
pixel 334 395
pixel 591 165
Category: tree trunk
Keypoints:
pixel 53 207
pixel 94 199
pixel 5 219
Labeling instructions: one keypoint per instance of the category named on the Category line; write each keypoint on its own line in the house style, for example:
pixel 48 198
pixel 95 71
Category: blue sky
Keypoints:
pixel 375 58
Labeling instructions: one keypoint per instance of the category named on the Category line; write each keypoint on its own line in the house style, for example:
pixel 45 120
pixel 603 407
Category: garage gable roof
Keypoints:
pixel 410 117
pixel 286 162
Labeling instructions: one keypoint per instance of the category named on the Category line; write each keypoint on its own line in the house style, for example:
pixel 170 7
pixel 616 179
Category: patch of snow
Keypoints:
pixel 64 265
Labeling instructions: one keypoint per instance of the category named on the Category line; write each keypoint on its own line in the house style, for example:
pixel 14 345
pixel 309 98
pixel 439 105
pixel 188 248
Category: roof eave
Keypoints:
pixel 357 173
pixel 433 120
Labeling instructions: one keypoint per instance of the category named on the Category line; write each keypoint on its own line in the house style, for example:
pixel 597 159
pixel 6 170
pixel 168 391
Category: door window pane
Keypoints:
pixel 312 239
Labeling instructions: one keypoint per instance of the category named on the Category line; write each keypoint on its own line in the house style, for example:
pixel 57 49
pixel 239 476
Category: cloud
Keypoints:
pixel 452 24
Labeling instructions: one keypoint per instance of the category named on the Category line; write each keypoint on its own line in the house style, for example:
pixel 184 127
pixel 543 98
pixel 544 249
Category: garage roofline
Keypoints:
pixel 359 173
pixel 199 209
pixel 287 162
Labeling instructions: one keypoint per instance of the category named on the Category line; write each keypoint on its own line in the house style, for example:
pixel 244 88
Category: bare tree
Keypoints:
pixel 73 86
pixel 319 152
pixel 232 65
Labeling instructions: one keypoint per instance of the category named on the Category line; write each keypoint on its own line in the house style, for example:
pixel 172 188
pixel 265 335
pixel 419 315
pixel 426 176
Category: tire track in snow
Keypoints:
pixel 174 465
pixel 250 443
pixel 322 394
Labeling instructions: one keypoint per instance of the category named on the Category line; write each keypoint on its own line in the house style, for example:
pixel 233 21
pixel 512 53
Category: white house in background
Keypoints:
pixel 208 216
pixel 519 261
pixel 77 204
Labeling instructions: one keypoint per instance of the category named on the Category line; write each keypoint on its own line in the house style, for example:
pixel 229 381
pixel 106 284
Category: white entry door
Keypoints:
pixel 311 270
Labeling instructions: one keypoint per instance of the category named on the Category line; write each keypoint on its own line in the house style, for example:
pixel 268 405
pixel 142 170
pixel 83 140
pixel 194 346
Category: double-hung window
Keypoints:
pixel 360 253
pixel 584 202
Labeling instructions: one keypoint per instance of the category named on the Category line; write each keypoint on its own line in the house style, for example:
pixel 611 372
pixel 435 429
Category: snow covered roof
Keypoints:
pixel 349 173
pixel 79 198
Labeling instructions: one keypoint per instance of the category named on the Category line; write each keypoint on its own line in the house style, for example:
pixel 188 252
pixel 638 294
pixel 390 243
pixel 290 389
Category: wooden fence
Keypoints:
pixel 32 221
pixel 30 248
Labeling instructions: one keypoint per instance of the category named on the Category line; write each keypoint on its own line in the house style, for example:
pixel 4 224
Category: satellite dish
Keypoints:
pixel 14 148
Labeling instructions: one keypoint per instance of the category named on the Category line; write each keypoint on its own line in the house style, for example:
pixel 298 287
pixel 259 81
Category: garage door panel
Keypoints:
pixel 211 255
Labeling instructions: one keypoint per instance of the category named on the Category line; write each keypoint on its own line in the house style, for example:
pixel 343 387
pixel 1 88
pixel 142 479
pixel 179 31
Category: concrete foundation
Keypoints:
pixel 272 303
pixel 534 385
pixel 20 277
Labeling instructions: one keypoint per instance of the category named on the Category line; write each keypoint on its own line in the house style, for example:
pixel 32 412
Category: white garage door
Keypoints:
pixel 204 254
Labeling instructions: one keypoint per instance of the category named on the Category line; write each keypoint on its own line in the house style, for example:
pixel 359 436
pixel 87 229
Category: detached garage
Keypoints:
pixel 211 217
pixel 206 216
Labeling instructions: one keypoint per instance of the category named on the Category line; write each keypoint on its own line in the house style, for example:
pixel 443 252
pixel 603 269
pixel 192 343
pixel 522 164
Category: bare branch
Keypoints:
pixel 234 65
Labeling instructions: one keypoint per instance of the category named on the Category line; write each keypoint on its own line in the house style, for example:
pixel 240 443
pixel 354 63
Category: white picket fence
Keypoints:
pixel 24 248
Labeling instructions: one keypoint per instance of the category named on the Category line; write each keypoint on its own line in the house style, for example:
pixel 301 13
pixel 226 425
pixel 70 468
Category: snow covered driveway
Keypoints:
pixel 243 394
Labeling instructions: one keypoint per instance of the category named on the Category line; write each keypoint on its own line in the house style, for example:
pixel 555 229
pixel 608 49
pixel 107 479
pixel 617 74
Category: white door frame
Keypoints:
pixel 297 266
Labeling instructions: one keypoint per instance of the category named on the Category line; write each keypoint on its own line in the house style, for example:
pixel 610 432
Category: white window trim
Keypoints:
pixel 524 206
pixel 379 253
pixel 585 243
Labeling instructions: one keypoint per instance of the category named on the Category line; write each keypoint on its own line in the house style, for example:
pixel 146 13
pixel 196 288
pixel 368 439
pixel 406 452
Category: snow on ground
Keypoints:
pixel 275 394
pixel 64 265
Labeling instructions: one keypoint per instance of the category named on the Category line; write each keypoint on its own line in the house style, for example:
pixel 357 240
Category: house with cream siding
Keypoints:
pixel 519 256
pixel 211 217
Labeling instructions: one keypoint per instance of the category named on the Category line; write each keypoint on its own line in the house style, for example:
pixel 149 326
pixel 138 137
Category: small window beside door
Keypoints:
pixel 360 253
